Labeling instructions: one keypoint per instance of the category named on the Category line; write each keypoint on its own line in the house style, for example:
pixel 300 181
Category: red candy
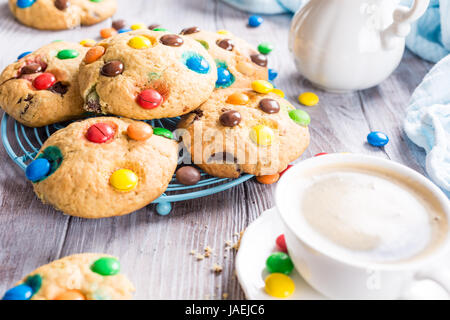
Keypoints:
pixel 44 81
pixel 149 99
pixel 281 243
pixel 100 132
pixel 288 167
pixel 320 154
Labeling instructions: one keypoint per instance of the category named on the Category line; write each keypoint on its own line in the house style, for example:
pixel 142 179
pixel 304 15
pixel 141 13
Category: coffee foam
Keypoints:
pixel 369 214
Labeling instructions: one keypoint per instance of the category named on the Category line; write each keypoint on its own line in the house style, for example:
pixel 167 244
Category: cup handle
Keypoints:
pixel 440 276
pixel 403 17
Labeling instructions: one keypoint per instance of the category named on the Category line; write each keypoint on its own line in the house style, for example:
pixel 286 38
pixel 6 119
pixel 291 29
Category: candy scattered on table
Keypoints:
pixel 279 285
pixel 71 295
pixel 300 117
pixel 308 99
pixel 163 132
pixel 262 135
pixel 262 86
pixel 94 54
pixel 149 99
pixel 138 26
pixel 188 175
pixel 230 118
pixel 265 48
pixel 238 98
pixel 124 180
pixel 37 169
pixel 88 42
pixel 284 171
pixel 279 262
pixel 255 21
pixel 100 132
pixel 139 131
pixel 272 74
pixel 67 54
pixel 24 54
pixel 161 29
pixel 107 33
pixel 320 154
pixel 268 179
pixel 44 81
pixel 112 68
pixel 377 139
pixel 124 30
pixel 106 266
pixel 20 292
pixel 118 24
pixel 281 243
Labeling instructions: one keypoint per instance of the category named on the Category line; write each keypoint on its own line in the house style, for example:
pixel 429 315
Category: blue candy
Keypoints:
pixel 25 3
pixel 272 74
pixel 37 169
pixel 20 292
pixel 24 54
pixel 377 139
pixel 223 76
pixel 124 30
pixel 163 208
pixel 255 21
pixel 198 64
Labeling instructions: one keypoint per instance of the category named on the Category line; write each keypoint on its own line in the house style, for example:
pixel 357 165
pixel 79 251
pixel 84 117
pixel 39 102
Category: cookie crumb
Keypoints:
pixel 192 253
pixel 216 268
pixel 200 257
pixel 225 295
pixel 208 251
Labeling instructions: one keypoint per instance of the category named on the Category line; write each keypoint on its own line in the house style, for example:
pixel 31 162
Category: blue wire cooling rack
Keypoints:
pixel 27 142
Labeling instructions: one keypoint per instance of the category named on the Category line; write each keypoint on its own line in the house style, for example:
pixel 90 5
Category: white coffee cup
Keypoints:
pixel 342 277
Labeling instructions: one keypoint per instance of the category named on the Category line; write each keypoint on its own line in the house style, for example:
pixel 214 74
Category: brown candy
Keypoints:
pixel 59 88
pixel 269 106
pixel 62 4
pixel 112 68
pixel 190 30
pixel 259 59
pixel 154 26
pixel 31 68
pixel 171 40
pixel 226 44
pixel 188 175
pixel 230 118
pixel 118 24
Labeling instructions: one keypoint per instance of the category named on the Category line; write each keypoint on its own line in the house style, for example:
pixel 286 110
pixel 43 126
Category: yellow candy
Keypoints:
pixel 262 86
pixel 278 92
pixel 123 180
pixel 139 42
pixel 223 32
pixel 262 135
pixel 138 26
pixel 308 99
pixel 88 42
pixel 279 285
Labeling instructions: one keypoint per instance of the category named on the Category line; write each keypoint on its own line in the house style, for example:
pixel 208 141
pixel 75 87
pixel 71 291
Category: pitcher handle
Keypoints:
pixel 403 17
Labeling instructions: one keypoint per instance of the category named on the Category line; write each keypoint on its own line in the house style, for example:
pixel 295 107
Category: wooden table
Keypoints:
pixel 155 250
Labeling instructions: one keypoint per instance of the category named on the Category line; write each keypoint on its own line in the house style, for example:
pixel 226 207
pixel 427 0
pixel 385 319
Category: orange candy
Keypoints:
pixel 71 295
pixel 139 131
pixel 94 54
pixel 238 98
pixel 268 179
pixel 108 32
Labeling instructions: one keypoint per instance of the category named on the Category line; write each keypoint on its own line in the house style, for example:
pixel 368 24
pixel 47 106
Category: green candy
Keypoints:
pixel 279 262
pixel 34 282
pixel 265 48
pixel 96 0
pixel 204 44
pixel 160 29
pixel 300 117
pixel 67 54
pixel 106 266
pixel 163 132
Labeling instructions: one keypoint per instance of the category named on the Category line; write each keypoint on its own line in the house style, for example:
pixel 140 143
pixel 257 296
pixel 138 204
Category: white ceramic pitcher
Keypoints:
pixel 345 45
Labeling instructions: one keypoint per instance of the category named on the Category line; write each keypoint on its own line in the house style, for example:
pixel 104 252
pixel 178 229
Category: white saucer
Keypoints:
pixel 258 242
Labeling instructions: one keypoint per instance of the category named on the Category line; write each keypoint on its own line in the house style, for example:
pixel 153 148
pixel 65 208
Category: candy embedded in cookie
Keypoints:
pixel 85 276
pixel 41 88
pixel 61 14
pixel 146 74
pixel 238 63
pixel 103 167
pixel 241 130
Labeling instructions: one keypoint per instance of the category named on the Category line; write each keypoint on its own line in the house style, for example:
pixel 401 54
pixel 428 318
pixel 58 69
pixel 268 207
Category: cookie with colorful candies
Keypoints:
pixel 103 167
pixel 86 276
pixel 245 131
pixel 146 74
pixel 238 63
pixel 61 14
pixel 41 88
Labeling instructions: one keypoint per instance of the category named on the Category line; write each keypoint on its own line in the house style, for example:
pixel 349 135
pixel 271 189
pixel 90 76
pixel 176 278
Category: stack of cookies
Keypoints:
pixel 233 120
